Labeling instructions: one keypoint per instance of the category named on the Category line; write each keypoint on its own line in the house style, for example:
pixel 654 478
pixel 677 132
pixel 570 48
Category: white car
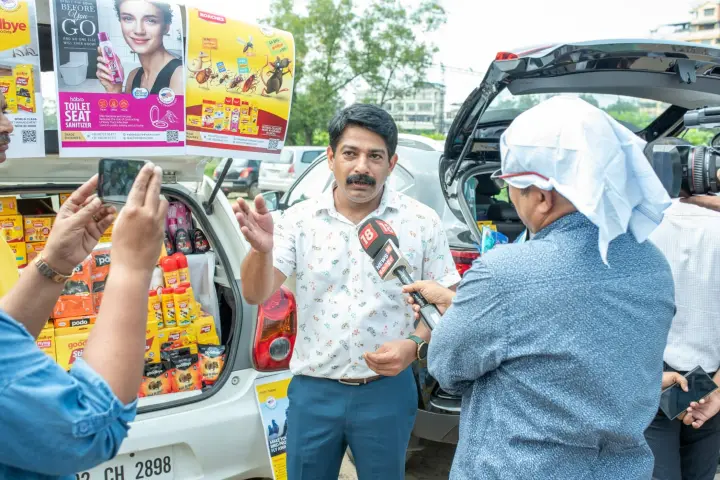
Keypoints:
pixel 420 142
pixel 217 432
pixel 279 175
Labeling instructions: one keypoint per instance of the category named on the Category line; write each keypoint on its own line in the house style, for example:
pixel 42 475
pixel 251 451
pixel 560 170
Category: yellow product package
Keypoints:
pixel 64 197
pixel 33 250
pixel 20 252
pixel 46 340
pixel 25 88
pixel 177 337
pixel 7 88
pixel 206 332
pixel 8 205
pixel 71 344
pixel 37 227
pixel 11 226
pixel 152 343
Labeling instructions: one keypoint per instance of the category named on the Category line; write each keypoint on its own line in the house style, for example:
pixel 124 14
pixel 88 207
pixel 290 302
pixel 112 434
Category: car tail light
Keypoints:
pixel 506 56
pixel 291 169
pixel 463 260
pixel 276 331
pixel 245 173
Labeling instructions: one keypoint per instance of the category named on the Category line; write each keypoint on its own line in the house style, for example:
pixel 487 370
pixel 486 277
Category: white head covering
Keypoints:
pixel 568 145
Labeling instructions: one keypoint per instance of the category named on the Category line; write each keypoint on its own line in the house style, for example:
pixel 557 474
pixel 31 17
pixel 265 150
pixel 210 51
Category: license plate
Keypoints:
pixel 155 464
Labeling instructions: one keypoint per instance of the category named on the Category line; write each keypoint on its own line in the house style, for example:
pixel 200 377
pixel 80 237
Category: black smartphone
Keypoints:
pixel 674 400
pixel 116 178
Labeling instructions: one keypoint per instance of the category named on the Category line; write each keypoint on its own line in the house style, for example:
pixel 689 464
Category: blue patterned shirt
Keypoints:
pixel 53 423
pixel 558 357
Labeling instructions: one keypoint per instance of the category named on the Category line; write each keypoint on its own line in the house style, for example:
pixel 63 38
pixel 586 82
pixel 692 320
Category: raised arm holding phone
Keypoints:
pixel 56 423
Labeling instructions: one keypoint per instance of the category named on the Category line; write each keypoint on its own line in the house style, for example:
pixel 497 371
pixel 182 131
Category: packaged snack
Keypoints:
pixel 490 239
pixel 177 337
pixel 152 343
pixel 212 361
pixel 182 242
pixel 200 243
pixel 34 249
pixel 155 309
pixel 157 380
pixel 208 114
pixel 183 268
pixel 72 322
pixel 20 251
pixel 76 299
pixel 7 87
pixel 25 88
pixel 37 227
pixel 8 205
pixel 186 373
pixel 70 347
pixel 168 307
pixel 206 332
pixel 168 354
pixel 100 265
pixel 46 341
pixel 11 226
pixel 170 271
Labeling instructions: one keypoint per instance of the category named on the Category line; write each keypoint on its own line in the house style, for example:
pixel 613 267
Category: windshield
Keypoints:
pixel 635 113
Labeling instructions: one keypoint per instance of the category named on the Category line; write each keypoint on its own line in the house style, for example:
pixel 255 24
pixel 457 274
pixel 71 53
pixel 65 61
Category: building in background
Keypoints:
pixel 702 27
pixel 421 111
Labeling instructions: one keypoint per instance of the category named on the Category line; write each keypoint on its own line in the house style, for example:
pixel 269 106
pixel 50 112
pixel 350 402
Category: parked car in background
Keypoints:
pixel 278 175
pixel 420 142
pixel 242 177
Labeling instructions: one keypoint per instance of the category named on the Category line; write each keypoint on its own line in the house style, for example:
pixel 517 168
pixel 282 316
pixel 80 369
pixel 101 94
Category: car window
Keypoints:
pixel 310 156
pixel 404 142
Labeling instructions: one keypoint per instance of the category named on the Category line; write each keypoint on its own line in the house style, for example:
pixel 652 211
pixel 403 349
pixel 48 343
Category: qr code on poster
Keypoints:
pixel 29 136
pixel 172 136
pixel 273 144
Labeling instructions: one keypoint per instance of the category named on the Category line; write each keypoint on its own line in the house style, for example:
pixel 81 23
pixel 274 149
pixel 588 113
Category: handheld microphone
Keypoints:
pixel 380 242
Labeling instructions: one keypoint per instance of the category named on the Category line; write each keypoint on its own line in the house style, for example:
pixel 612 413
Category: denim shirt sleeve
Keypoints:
pixel 470 340
pixel 54 422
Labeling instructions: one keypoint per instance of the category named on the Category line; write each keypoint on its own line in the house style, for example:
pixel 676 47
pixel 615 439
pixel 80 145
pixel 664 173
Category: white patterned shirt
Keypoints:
pixel 689 236
pixel 344 309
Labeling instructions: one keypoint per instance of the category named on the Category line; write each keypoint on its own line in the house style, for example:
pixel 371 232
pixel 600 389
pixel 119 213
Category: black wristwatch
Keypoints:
pixel 422 346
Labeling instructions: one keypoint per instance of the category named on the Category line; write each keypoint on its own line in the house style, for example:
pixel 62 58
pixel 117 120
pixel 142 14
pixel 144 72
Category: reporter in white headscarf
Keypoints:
pixel 556 344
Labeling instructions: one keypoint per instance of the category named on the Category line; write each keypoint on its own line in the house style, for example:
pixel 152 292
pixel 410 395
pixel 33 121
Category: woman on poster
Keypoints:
pixel 143 24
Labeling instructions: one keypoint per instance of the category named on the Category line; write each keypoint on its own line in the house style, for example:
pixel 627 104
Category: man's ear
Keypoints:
pixel 546 199
pixel 331 158
pixel 393 162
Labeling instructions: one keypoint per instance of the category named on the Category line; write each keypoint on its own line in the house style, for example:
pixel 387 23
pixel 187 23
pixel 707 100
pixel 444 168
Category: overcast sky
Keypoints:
pixel 477 29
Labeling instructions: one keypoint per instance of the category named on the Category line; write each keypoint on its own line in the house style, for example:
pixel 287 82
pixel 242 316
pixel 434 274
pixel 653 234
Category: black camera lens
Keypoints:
pixel 702 177
pixel 682 167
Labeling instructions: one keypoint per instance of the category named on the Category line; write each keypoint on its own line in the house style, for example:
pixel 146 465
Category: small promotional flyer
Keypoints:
pixel 239 87
pixel 20 77
pixel 120 77
pixel 271 394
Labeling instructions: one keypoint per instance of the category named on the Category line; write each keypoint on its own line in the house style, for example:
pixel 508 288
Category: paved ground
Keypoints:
pixel 433 463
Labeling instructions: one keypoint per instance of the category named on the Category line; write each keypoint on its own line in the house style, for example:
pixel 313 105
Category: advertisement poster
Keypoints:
pixel 271 394
pixel 20 77
pixel 120 77
pixel 239 87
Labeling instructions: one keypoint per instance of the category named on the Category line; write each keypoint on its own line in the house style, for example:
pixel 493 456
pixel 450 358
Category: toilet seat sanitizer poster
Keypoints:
pixel 20 77
pixel 239 85
pixel 120 77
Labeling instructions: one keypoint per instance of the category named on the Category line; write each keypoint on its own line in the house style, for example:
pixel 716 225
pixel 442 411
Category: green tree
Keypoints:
pixel 336 46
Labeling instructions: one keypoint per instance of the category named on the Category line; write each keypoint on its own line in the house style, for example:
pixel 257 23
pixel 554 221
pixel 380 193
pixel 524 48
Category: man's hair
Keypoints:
pixel 165 8
pixel 369 117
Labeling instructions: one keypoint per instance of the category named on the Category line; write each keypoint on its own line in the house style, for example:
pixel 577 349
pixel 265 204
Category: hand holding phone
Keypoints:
pixel 116 178
pixel 675 400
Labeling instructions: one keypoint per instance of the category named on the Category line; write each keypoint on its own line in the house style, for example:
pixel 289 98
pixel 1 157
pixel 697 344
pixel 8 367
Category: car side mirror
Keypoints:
pixel 272 199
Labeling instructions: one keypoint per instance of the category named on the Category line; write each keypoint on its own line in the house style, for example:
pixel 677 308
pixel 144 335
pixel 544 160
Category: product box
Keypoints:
pixel 70 345
pixel 72 322
pixel 76 299
pixel 152 343
pixel 20 253
pixel 100 266
pixel 7 87
pixel 46 341
pixel 33 250
pixel 37 227
pixel 205 330
pixel 25 88
pixel 64 197
pixel 8 205
pixel 177 337
pixel 11 227
pixel 107 236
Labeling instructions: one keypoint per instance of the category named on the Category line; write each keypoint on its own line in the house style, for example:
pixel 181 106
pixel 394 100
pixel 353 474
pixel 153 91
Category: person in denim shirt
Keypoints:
pixel 556 344
pixel 56 423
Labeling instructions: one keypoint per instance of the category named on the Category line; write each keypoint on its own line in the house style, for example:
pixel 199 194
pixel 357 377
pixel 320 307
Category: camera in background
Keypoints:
pixel 687 168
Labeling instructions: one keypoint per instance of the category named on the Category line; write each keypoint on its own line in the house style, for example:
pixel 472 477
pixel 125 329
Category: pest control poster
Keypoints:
pixel 120 77
pixel 239 87
pixel 20 77
pixel 271 394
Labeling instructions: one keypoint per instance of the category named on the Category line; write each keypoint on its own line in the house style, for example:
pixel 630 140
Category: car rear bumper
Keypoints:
pixel 440 422
pixel 240 185
pixel 275 184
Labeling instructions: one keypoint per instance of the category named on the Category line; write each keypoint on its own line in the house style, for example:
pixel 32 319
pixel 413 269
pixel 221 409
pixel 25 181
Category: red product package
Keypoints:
pixel 100 269
pixel 76 299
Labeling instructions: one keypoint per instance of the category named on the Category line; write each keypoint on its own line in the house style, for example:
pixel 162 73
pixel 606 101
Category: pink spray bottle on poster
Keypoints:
pixel 108 53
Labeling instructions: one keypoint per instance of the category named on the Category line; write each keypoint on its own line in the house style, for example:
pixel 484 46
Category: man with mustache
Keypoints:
pixel 356 338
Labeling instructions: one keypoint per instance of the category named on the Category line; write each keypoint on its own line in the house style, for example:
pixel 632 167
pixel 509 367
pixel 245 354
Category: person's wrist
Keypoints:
pixel 57 262
pixel 127 271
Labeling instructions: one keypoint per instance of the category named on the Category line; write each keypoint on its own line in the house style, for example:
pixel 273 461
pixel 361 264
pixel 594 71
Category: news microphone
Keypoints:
pixel 380 242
